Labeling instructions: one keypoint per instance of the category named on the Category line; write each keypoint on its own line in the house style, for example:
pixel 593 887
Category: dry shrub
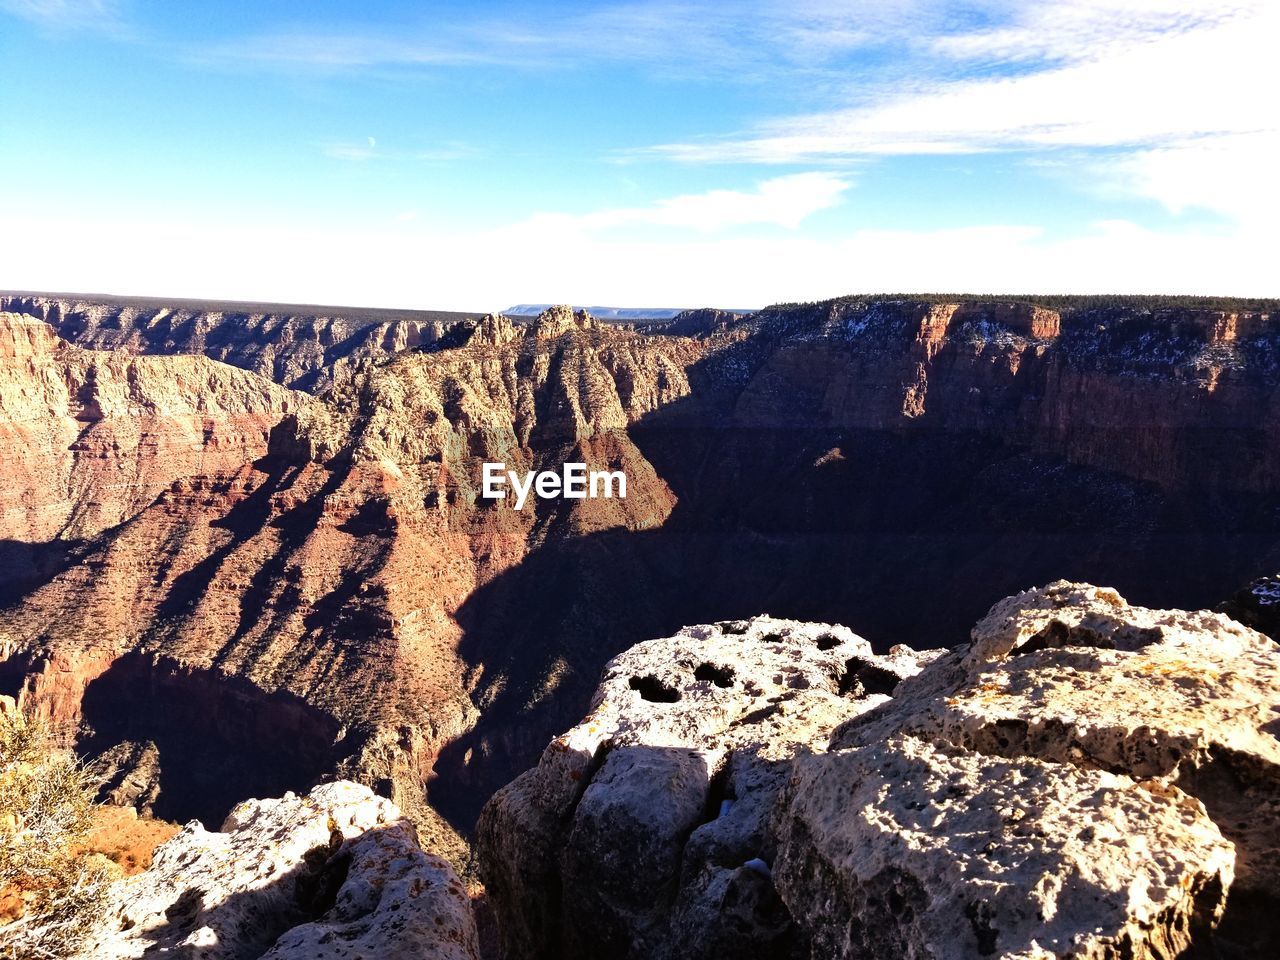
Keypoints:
pixel 51 895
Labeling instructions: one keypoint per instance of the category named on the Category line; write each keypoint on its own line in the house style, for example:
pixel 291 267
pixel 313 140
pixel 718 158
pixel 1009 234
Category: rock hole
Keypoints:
pixel 828 641
pixel 654 690
pixel 718 791
pixel 317 893
pixel 862 679
pixel 983 932
pixel 710 673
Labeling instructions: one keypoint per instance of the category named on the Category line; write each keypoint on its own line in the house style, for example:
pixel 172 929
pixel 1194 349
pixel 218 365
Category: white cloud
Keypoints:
pixel 782 201
pixel 743 41
pixel 1080 30
pixel 1215 79
pixel 356 150
pixel 1179 96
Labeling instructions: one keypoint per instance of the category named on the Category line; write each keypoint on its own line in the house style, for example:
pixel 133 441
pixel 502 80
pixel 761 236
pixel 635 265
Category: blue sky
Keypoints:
pixel 473 155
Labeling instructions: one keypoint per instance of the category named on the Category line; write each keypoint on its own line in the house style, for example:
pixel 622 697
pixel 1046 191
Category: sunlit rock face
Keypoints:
pixel 89 439
pixel 337 873
pixel 307 348
pixel 1084 778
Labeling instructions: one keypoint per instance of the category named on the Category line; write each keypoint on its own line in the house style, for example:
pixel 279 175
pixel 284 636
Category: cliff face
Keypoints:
pixel 304 348
pixel 88 439
pixel 1181 397
pixel 340 597
pixel 1084 778
pixel 316 589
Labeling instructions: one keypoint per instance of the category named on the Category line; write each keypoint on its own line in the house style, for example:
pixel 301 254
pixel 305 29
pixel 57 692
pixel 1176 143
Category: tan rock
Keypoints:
pixel 616 843
pixel 298 877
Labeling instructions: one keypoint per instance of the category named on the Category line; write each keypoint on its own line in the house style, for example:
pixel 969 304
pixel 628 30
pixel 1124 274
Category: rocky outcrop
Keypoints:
pixel 1257 606
pixel 645 830
pixel 307 348
pixel 1085 778
pixel 128 775
pixel 334 874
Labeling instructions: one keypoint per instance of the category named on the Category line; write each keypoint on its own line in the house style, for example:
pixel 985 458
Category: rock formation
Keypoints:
pixel 308 348
pixel 128 775
pixel 637 832
pixel 335 874
pixel 88 440
pixel 1257 606
pixel 314 590
pixel 1084 778
pixel 339 599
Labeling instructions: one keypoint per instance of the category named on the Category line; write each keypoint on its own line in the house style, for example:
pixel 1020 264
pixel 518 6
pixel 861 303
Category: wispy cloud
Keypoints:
pixel 65 14
pixel 370 149
pixel 1149 82
pixel 782 201
pixel 354 150
pixel 1144 91
pixel 746 40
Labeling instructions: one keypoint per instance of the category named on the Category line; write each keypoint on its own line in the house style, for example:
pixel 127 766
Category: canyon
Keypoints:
pixel 257 542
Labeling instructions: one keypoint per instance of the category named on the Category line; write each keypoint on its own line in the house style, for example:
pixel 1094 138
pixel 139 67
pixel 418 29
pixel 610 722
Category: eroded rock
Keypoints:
pixel 638 832
pixel 1085 779
pixel 337 873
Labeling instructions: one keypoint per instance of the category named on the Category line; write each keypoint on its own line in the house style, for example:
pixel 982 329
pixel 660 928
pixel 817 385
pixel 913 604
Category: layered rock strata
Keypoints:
pixel 344 583
pixel 308 348
pixel 88 439
pixel 315 590
pixel 1085 778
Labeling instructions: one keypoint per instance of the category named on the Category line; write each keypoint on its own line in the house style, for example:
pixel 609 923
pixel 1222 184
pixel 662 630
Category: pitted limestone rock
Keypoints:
pixel 299 877
pixel 644 831
pixel 1184 704
pixel 1085 779
pixel 927 851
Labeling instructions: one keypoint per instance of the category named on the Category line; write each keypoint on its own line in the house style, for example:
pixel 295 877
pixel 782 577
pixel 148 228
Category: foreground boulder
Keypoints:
pixel 335 874
pixel 1085 779
pixel 645 830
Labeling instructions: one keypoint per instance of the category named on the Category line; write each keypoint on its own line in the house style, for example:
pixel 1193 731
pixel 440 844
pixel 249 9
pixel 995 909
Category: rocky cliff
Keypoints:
pixel 265 627
pixel 90 439
pixel 344 600
pixel 308 348
pixel 1083 778
pixel 1178 395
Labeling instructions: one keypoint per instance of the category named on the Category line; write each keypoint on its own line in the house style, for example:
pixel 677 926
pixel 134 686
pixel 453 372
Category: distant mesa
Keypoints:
pixel 616 314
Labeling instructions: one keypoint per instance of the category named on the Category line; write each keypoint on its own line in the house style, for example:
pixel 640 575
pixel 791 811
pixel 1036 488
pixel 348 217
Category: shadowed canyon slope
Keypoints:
pixel 89 439
pixel 893 465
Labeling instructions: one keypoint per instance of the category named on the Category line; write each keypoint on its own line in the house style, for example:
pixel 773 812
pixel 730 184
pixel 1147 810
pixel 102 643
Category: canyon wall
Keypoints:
pixel 308 348
pixel 895 465
pixel 89 439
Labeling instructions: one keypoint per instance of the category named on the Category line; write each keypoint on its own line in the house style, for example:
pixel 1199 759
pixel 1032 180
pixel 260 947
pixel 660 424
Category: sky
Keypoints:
pixel 475 155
